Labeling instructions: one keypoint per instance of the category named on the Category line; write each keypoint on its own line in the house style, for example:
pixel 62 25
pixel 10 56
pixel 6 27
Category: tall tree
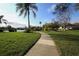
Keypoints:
pixel 25 9
pixel 62 11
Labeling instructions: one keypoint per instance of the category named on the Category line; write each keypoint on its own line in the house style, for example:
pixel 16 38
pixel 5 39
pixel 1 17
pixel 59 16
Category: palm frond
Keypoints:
pixel 34 14
pixel 25 7
pixel 33 6
pixel 21 12
pixel 25 13
pixel 18 6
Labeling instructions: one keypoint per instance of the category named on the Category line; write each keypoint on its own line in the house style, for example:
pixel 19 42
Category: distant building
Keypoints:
pixel 75 27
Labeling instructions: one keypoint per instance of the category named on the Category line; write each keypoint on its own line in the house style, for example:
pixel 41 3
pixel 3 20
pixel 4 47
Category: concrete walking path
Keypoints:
pixel 44 47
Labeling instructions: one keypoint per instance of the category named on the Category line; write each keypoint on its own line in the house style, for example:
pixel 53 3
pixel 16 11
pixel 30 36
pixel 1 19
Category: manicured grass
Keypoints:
pixel 15 43
pixel 67 42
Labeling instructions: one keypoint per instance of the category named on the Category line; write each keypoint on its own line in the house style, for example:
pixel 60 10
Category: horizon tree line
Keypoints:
pixel 62 11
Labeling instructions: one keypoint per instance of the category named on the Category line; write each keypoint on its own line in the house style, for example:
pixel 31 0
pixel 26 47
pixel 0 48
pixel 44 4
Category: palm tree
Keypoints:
pixel 5 21
pixel 40 23
pixel 25 9
pixel 1 18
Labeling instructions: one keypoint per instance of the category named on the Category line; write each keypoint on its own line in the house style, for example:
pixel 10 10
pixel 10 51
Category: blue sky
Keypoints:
pixel 44 14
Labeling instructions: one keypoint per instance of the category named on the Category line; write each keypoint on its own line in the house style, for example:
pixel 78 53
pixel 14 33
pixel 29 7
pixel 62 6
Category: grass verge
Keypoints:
pixel 67 42
pixel 16 43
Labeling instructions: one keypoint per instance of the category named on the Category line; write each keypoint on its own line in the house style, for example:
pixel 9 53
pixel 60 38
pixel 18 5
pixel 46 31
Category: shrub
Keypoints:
pixel 28 30
pixel 2 29
pixel 10 29
pixel 34 28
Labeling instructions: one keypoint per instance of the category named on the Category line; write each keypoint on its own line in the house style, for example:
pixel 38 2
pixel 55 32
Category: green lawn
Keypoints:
pixel 15 43
pixel 67 42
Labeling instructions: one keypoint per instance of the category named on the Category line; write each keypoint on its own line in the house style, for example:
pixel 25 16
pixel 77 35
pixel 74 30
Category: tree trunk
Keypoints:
pixel 0 21
pixel 28 18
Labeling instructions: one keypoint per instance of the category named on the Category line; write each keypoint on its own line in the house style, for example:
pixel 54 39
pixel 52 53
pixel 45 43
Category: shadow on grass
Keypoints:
pixel 69 37
pixel 67 43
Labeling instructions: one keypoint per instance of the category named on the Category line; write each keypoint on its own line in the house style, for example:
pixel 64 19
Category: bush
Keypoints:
pixel 10 29
pixel 36 28
pixel 2 29
pixel 55 29
pixel 28 30
pixel 75 28
pixel 51 26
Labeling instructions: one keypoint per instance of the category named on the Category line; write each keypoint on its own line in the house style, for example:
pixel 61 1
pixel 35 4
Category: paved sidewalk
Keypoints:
pixel 44 47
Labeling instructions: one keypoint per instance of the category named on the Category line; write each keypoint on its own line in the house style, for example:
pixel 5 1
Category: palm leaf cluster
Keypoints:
pixel 62 11
pixel 25 9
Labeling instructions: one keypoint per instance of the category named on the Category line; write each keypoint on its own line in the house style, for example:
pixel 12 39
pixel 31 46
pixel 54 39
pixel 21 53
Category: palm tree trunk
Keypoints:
pixel 28 18
pixel 0 21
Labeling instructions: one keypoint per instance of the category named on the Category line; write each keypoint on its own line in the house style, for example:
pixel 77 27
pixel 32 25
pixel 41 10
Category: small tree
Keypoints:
pixel 51 26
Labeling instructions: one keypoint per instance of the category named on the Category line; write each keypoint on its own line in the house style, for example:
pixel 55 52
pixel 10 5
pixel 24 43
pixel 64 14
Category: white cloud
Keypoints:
pixel 12 17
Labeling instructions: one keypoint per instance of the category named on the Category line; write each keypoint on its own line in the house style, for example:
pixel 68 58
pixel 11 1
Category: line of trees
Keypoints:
pixel 63 12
